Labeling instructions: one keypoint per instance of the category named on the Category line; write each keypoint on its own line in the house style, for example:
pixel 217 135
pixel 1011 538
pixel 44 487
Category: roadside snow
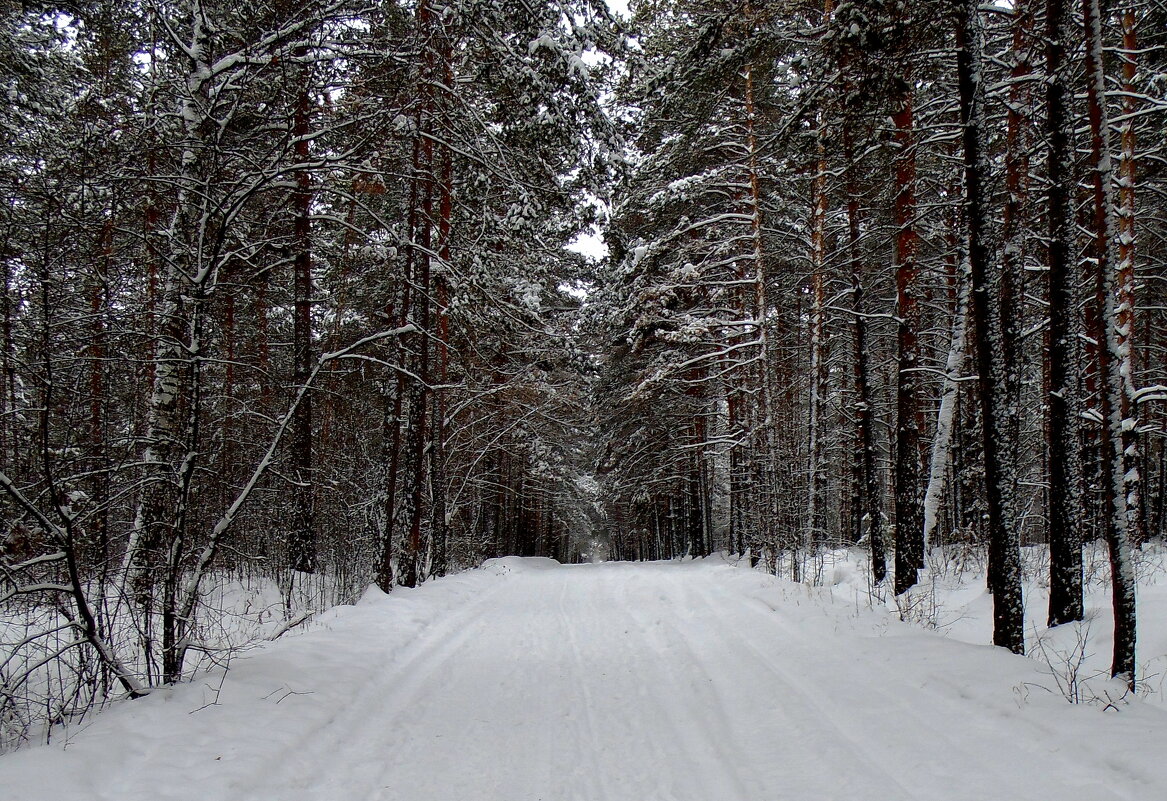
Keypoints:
pixel 528 680
pixel 951 599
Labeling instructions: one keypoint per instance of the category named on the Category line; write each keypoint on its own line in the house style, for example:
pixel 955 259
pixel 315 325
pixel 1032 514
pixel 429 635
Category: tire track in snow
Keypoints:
pixel 949 733
pixel 591 773
pixel 804 745
pixel 678 682
pixel 372 708
pixel 495 710
pixel 713 769
pixel 810 729
pixel 659 694
pixel 623 736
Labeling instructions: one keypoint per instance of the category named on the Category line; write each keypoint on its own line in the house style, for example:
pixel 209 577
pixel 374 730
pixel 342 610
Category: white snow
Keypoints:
pixel 528 680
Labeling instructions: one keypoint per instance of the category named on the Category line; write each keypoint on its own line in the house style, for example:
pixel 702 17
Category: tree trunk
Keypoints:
pixel 438 522
pixel 98 309
pixel 818 376
pixel 1125 312
pixel 301 543
pixel 1065 467
pixel 1113 359
pixel 419 251
pixel 992 310
pixel 909 508
pixel 941 457
pixel 158 500
pixel 391 436
pixel 869 501
pixel 8 366
pixel 765 403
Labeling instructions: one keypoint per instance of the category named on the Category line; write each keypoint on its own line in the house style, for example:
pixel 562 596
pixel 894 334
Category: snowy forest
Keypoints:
pixel 319 294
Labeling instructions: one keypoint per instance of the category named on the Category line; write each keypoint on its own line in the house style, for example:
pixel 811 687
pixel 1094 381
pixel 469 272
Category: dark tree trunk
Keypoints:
pixel 98 309
pixel 419 254
pixel 438 523
pixel 992 310
pixel 8 379
pixel 1113 358
pixel 816 493
pixel 868 501
pixel 1065 468
pixel 1125 278
pixel 302 544
pixel 391 454
pixel 909 507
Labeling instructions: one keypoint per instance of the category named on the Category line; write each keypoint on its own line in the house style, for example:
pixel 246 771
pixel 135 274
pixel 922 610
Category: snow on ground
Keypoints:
pixel 951 599
pixel 239 611
pixel 528 680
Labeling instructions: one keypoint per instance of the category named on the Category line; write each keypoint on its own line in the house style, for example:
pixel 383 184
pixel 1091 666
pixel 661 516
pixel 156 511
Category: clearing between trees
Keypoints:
pixel 527 679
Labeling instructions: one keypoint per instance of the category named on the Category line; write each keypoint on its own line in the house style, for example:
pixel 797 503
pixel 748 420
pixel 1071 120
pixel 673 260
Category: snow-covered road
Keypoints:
pixel 527 680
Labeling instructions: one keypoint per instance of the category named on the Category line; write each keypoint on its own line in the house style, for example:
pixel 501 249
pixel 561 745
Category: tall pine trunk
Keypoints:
pixel 909 507
pixel 1113 359
pixel 818 373
pixel 438 512
pixel 767 472
pixel 420 258
pixel 1125 313
pixel 993 319
pixel 301 544
pixel 869 501
pixel 1066 509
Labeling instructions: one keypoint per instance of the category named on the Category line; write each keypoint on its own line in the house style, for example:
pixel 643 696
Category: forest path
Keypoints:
pixel 529 680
